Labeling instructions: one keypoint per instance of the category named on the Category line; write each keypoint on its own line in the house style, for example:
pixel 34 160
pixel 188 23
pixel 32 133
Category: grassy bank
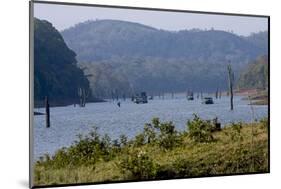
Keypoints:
pixel 160 152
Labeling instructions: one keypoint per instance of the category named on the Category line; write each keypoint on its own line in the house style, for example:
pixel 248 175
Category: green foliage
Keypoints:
pixel 139 140
pixel 158 133
pixel 235 133
pixel 95 158
pixel 55 71
pixel 264 123
pixel 163 134
pixel 183 167
pixel 120 53
pixel 256 74
pixel 168 137
pixel 123 140
pixel 179 168
pixel 259 39
pixel 200 130
pixel 106 81
pixel 87 150
pixel 139 165
pixel 149 132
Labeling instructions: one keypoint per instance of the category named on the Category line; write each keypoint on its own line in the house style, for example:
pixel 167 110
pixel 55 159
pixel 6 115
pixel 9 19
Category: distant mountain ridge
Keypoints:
pixel 103 39
pixel 259 39
pixel 153 60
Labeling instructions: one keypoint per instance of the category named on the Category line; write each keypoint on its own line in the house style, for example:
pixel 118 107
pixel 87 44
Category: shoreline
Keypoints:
pixel 223 126
pixel 41 103
pixel 257 96
pixel 219 149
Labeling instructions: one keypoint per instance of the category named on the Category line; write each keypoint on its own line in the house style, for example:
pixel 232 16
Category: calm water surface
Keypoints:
pixel 69 121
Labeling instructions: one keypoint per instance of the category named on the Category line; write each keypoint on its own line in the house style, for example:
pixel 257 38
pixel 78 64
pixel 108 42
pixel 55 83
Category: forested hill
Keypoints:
pixel 256 75
pixel 56 74
pixel 104 39
pixel 139 57
pixel 259 39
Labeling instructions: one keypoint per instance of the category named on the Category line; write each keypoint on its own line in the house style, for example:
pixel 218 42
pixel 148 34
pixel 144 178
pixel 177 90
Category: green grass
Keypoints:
pixel 237 148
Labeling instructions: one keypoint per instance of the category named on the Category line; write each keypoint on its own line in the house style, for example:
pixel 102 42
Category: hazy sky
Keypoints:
pixel 65 16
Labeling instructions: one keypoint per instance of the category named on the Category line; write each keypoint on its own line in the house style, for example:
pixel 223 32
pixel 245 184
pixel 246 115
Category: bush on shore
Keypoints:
pixel 159 152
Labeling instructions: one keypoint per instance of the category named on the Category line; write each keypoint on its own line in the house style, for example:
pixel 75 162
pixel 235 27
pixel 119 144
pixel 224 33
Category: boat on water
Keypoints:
pixel 38 113
pixel 208 100
pixel 140 99
pixel 190 97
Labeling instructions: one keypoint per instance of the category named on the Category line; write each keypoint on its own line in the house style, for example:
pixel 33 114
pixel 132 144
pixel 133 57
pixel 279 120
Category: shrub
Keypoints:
pixel 166 172
pixel 149 133
pixel 168 137
pixel 87 150
pixel 105 148
pixel 264 123
pixel 139 165
pixel 139 140
pixel 179 168
pixel 123 140
pixel 235 133
pixel 183 167
pixel 116 143
pixel 200 130
pixel 164 134
pixel 60 159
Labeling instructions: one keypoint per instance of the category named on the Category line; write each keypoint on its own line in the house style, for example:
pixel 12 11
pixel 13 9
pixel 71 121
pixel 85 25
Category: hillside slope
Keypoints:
pixel 256 75
pixel 104 39
pixel 153 60
pixel 259 39
pixel 56 74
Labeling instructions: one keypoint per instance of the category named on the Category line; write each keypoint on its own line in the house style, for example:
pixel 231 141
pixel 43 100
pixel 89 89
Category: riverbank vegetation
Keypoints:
pixel 255 76
pixel 159 152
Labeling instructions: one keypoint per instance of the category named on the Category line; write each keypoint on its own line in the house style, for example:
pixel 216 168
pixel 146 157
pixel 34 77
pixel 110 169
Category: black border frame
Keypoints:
pixel 31 61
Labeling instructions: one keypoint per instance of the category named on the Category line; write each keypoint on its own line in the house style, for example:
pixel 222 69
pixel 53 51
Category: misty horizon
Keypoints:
pixel 161 20
pixel 187 29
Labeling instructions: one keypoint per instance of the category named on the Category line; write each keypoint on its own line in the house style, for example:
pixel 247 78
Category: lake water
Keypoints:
pixel 69 121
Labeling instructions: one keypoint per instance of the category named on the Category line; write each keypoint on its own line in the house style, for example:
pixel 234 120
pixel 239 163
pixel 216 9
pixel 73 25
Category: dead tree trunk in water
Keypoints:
pixel 80 94
pixel 217 93
pixel 230 84
pixel 112 95
pixel 47 107
pixel 83 95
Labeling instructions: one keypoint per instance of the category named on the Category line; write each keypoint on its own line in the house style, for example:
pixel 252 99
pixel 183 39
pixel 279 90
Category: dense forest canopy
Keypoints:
pixel 260 40
pixel 56 74
pixel 256 75
pixel 130 57
pixel 106 39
